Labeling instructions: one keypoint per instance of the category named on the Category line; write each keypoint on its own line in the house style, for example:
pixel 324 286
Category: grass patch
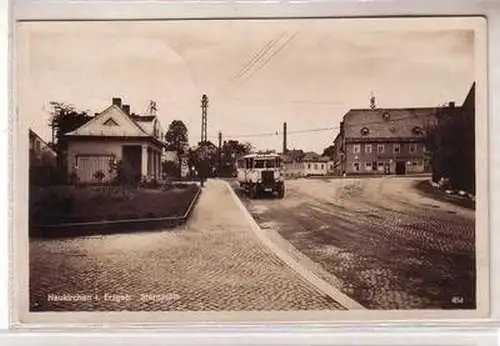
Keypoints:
pixel 69 204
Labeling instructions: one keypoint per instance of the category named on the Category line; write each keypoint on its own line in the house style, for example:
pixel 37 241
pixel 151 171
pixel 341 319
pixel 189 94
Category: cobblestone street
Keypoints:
pixel 381 241
pixel 215 263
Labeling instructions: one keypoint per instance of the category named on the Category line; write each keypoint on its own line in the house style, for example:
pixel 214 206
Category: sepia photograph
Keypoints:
pixel 253 165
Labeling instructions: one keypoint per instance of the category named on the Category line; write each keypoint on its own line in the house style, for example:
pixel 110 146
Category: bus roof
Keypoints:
pixel 260 156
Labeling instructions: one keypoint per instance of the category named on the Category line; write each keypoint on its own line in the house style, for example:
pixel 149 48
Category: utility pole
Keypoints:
pixel 220 154
pixel 284 139
pixel 204 106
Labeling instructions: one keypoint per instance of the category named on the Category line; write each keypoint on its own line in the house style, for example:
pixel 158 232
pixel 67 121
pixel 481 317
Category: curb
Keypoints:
pixel 79 229
pixel 320 284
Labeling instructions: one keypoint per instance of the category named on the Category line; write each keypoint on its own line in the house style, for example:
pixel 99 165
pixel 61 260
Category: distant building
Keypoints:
pixel 116 135
pixel 41 154
pixel 299 164
pixel 292 163
pixel 382 141
pixel 315 164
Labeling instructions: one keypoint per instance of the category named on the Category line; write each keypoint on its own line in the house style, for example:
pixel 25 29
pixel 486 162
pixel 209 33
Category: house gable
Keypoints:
pixel 112 122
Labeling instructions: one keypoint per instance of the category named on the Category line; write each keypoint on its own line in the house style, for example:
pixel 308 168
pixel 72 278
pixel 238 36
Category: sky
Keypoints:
pixel 257 73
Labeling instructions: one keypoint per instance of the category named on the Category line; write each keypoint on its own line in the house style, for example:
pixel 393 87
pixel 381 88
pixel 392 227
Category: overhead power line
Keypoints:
pixel 270 57
pixel 278 133
pixel 257 57
pixel 322 129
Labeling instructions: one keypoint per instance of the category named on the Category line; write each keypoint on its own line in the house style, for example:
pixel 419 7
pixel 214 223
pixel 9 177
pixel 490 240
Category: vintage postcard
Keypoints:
pixel 250 170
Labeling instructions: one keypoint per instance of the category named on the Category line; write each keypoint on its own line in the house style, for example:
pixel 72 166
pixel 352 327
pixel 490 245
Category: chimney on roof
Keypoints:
pixel 117 101
pixel 126 109
pixel 451 104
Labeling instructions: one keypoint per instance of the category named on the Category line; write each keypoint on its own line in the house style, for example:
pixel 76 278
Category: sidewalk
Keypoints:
pixel 215 262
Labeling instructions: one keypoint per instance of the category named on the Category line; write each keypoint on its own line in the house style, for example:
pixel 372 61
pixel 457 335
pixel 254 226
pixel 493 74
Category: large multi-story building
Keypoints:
pixel 383 141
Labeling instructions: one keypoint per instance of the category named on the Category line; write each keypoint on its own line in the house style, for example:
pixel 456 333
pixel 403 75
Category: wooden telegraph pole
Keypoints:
pixel 219 155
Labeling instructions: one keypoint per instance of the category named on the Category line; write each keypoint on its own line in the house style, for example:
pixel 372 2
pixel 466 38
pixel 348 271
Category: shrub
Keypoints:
pixel 46 175
pixel 124 175
pixel 48 206
pixel 150 184
pixel 181 185
pixel 99 176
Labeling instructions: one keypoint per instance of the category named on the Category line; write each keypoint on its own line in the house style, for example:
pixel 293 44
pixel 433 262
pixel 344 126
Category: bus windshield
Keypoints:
pixel 265 163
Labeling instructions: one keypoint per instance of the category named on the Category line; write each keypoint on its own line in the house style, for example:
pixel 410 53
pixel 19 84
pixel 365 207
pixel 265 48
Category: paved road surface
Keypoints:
pixel 387 246
pixel 214 263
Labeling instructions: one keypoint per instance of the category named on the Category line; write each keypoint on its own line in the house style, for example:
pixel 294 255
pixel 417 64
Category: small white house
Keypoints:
pixel 115 135
pixel 316 165
pixel 298 164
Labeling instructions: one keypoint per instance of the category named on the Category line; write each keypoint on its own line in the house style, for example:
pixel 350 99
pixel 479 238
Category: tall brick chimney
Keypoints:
pixel 117 101
pixel 126 109
pixel 284 139
pixel 451 104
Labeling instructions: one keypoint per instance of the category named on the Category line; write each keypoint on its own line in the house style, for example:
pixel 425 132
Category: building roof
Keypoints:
pixel 47 146
pixel 261 156
pixel 311 156
pixel 115 121
pixel 387 122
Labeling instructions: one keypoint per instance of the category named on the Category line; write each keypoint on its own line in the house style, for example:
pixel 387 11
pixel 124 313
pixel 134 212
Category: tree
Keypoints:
pixel 328 151
pixel 232 150
pixel 64 118
pixel 451 144
pixel 177 140
pixel 203 158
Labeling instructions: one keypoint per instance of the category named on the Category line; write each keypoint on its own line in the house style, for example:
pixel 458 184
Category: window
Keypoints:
pixel 249 163
pixel 322 166
pixel 110 122
pixel 368 166
pixel 356 148
pixel 265 164
pixel 396 148
pixel 381 166
pixel 368 148
pixel 356 166
pixel 417 130
pixel 413 148
pixel 380 148
pixel 315 166
pixel 308 166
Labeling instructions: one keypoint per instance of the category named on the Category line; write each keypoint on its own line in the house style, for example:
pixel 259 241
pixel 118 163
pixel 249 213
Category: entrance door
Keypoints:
pixel 400 167
pixel 132 159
